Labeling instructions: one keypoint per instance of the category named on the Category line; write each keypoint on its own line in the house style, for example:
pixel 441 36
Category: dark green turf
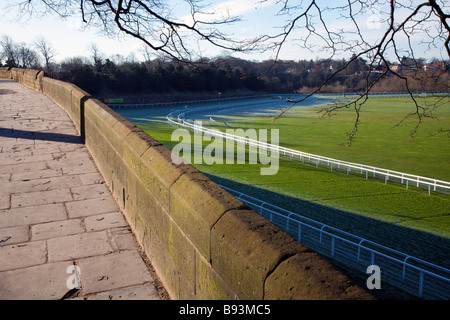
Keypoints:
pixel 407 220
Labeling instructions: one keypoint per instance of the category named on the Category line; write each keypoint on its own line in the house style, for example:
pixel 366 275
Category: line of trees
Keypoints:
pixel 127 76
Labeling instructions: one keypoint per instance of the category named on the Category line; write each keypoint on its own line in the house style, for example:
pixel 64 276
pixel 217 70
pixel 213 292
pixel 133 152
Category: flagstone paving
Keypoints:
pixel 62 236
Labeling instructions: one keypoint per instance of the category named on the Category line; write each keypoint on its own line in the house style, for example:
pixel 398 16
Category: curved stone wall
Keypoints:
pixel 202 241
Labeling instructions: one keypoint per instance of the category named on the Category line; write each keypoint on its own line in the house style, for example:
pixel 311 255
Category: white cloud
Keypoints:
pixel 239 7
pixel 227 9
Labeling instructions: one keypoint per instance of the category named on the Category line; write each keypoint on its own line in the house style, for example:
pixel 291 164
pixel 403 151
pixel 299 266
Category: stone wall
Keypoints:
pixel 202 241
pixel 5 73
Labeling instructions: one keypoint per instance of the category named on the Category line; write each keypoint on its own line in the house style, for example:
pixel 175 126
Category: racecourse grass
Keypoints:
pixel 410 220
pixel 380 141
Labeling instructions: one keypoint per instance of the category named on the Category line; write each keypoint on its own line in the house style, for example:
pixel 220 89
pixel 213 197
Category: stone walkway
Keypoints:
pixel 62 235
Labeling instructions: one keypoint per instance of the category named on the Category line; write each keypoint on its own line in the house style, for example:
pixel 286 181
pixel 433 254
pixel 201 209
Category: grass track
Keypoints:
pixel 379 142
pixel 406 220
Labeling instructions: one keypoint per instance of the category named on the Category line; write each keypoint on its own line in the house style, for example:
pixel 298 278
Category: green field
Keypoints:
pixel 378 142
pixel 407 220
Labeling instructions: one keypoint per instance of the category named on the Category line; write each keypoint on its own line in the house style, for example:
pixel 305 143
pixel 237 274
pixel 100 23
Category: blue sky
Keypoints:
pixel 258 17
pixel 65 36
pixel 69 38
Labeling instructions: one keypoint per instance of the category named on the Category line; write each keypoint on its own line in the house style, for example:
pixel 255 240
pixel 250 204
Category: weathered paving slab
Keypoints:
pixel 148 292
pixel 83 208
pixel 14 235
pixel 22 255
pixel 40 197
pixel 32 215
pixel 4 201
pixel 105 221
pixel 78 246
pixel 42 282
pixel 58 220
pixel 57 229
pixel 121 269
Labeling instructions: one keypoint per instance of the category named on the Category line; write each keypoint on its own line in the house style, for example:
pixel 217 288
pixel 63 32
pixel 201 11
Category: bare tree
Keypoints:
pixel 147 55
pixel 47 51
pixel 18 54
pixel 28 58
pixel 9 51
pixel 97 56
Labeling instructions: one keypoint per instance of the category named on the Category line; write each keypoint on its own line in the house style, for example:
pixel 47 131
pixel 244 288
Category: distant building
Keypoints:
pixel 427 67
pixel 435 66
pixel 289 71
pixel 394 67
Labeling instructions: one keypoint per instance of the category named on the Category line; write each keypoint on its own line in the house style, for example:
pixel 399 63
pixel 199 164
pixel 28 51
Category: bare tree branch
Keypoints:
pixel 383 32
pixel 47 52
pixel 402 22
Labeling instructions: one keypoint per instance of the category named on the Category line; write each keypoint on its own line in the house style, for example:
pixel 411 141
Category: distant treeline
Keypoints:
pixel 117 75
pixel 232 74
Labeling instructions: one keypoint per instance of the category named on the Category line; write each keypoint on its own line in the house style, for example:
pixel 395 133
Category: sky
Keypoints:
pixel 258 17
pixel 70 39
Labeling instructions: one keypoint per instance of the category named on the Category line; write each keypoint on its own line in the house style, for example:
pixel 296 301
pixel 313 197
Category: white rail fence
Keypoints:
pixel 406 179
pixel 413 275
pixel 217 101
